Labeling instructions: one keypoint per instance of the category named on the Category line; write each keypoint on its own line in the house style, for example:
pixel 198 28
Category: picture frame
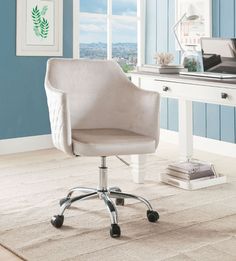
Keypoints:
pixel 190 31
pixel 39 28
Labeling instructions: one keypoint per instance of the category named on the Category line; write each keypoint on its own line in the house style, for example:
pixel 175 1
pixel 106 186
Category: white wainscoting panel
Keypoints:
pixel 10 146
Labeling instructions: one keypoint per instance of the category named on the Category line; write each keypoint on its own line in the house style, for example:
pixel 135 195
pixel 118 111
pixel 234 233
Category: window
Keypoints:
pixel 93 37
pixel 110 29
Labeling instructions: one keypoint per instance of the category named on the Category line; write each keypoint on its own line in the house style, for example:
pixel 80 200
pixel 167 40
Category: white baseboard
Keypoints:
pixel 201 143
pixel 24 144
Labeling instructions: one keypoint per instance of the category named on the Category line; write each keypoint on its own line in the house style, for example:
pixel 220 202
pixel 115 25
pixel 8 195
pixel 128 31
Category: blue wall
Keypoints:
pixel 212 121
pixel 23 108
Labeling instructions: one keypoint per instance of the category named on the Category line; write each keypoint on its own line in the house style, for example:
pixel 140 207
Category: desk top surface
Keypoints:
pixel 226 83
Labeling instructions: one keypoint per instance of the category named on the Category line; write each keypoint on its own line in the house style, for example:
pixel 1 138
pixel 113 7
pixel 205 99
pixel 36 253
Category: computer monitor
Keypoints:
pixel 219 55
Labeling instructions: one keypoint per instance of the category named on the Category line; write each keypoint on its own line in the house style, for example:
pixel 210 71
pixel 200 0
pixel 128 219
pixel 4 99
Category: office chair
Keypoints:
pixel 95 110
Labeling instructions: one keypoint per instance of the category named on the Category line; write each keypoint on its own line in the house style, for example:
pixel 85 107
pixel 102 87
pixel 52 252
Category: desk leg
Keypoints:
pixel 138 165
pixel 185 129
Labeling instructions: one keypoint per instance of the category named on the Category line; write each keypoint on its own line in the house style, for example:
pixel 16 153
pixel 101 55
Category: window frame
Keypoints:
pixel 139 18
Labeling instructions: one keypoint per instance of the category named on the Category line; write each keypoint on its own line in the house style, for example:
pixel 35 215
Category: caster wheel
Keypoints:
pixel 115 231
pixel 152 216
pixel 57 221
pixel 120 202
pixel 63 200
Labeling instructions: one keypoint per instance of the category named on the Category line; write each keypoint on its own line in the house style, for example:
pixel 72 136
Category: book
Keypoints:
pixel 189 167
pixel 191 176
pixel 163 66
pixel 162 69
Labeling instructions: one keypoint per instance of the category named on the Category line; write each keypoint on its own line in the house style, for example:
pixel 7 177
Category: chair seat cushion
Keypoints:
pixel 108 142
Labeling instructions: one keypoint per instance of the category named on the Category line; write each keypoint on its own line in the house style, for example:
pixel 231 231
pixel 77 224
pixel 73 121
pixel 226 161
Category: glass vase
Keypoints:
pixel 191 59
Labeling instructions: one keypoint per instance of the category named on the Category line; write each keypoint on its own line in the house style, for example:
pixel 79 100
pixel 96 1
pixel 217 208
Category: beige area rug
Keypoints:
pixel 199 225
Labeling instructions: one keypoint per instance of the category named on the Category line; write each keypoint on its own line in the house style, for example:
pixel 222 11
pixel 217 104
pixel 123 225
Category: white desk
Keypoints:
pixel 186 89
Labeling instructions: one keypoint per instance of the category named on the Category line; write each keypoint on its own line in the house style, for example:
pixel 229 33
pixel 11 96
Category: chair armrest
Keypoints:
pixel 145 112
pixel 59 117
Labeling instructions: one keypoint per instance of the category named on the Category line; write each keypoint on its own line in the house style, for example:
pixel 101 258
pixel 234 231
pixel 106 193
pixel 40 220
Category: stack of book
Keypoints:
pixel 162 69
pixel 190 170
pixel 191 175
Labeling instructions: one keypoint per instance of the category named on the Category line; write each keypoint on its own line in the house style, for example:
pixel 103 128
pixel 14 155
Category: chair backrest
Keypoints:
pixel 98 92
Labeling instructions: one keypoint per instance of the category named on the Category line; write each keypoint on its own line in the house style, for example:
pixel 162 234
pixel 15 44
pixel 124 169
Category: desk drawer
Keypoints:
pixel 158 86
pixel 192 92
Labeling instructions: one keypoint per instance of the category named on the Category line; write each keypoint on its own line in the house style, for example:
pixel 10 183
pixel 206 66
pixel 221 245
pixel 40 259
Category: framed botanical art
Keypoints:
pixel 39 28
pixel 195 21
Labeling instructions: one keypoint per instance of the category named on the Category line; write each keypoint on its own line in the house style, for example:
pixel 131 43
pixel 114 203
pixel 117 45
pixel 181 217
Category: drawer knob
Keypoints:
pixel 224 95
pixel 165 89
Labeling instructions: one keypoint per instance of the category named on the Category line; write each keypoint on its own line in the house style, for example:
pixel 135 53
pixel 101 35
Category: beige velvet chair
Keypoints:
pixel 95 110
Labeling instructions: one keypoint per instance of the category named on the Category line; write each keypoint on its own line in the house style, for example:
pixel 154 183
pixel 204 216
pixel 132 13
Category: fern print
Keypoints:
pixel 44 10
pixel 41 25
pixel 44 27
pixel 36 16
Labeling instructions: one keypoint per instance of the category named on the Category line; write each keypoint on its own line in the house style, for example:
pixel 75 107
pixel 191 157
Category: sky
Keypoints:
pixel 95 30
pixel 120 7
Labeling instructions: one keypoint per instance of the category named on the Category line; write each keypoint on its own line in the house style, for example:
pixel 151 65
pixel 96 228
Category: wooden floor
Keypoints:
pixel 225 252
pixel 7 255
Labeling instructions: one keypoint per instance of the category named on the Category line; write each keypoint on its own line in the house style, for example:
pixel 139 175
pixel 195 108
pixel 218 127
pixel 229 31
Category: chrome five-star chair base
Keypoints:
pixel 104 193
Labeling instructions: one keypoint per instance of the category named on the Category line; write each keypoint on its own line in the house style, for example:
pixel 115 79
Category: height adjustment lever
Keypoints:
pixel 123 161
